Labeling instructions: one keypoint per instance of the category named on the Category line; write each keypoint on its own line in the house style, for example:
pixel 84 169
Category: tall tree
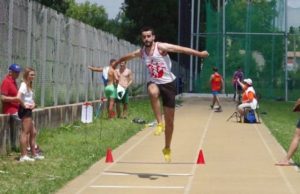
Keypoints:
pixel 59 5
pixel 161 15
pixel 89 13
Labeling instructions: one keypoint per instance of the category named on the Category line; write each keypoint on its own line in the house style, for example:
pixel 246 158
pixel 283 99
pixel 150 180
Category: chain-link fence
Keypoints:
pixel 252 35
pixel 60 49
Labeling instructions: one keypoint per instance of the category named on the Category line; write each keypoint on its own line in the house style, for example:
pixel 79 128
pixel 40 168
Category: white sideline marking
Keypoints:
pixel 288 184
pixel 118 159
pixel 152 174
pixel 189 184
pixel 135 187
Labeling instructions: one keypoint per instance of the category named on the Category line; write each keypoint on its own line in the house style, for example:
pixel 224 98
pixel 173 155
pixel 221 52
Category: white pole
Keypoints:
pixel 197 38
pixel 286 51
pixel 224 50
pixel 192 45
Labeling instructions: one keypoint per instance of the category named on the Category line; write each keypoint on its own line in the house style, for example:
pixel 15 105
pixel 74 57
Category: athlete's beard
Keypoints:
pixel 148 44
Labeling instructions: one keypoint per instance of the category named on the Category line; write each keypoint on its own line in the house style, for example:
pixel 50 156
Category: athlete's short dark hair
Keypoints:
pixel 147 28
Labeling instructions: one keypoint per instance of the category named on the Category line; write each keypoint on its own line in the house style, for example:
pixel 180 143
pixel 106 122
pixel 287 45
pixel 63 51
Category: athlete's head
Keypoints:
pixel 148 36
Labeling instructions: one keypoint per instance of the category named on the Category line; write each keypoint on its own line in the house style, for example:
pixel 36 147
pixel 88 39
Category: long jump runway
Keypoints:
pixel 239 159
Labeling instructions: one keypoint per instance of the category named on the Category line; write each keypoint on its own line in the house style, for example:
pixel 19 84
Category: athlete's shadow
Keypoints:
pixel 150 176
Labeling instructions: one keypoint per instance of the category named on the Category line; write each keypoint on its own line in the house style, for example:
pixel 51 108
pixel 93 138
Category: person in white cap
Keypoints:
pixel 249 99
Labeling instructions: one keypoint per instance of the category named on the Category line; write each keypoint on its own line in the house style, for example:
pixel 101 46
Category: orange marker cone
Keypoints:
pixel 200 158
pixel 109 157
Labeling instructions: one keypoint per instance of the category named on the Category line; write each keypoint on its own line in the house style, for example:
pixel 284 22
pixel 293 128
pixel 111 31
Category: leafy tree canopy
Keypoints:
pixel 88 13
pixel 161 15
pixel 59 5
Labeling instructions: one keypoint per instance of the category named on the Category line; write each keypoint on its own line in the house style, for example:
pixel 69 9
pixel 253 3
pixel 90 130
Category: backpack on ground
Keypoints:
pixel 250 117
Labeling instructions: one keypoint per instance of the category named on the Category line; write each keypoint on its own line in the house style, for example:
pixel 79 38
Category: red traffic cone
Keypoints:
pixel 109 157
pixel 200 158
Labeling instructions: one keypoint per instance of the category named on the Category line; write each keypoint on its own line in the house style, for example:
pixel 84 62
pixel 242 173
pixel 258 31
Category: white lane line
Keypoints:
pixel 152 174
pixel 189 184
pixel 118 159
pixel 135 187
pixel 288 184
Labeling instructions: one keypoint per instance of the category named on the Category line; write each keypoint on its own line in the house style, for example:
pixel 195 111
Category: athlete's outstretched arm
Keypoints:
pixel 166 47
pixel 128 56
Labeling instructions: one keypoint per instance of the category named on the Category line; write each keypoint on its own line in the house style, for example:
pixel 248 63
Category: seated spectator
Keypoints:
pixel 249 99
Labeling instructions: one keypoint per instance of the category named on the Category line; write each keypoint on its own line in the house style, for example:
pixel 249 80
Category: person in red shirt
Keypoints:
pixel 216 81
pixel 9 91
pixel 10 103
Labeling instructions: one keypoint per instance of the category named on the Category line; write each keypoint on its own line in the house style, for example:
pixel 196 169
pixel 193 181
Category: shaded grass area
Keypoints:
pixel 69 151
pixel 281 121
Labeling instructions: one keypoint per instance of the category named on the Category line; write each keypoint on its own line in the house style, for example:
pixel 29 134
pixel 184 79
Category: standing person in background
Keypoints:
pixel 123 77
pixel 216 81
pixel 27 104
pixel 294 143
pixel 10 102
pixel 238 74
pixel 9 91
pixel 162 81
pixel 110 87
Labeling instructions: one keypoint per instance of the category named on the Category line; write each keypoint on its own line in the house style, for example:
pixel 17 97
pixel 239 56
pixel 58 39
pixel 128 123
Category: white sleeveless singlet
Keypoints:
pixel 159 66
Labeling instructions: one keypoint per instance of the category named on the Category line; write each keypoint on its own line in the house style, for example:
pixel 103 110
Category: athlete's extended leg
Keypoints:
pixel 153 92
pixel 169 121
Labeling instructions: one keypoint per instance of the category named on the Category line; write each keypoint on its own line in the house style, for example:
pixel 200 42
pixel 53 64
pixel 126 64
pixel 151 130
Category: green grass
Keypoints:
pixel 281 121
pixel 69 151
pixel 72 149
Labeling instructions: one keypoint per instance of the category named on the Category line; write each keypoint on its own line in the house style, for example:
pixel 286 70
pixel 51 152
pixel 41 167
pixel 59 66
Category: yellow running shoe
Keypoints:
pixel 159 129
pixel 167 154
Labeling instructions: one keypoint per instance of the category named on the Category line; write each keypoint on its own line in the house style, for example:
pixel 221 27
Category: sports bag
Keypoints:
pixel 250 117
